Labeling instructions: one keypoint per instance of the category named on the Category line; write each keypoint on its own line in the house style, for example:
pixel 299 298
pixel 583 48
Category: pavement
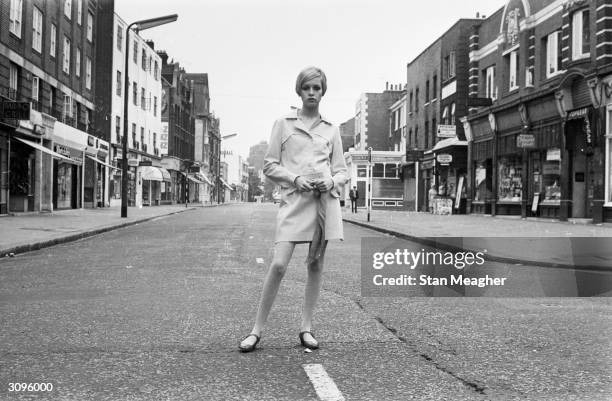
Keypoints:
pixel 546 242
pixel 572 244
pixel 31 231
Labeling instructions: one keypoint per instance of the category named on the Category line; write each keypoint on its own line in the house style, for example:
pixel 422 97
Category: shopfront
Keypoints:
pixel 427 182
pixel 67 178
pixel 450 173
pixel 154 182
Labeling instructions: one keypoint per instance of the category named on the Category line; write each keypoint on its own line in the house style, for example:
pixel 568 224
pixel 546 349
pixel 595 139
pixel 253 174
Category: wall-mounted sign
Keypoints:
pixel 15 110
pixel 133 162
pixel 447 131
pixel 553 154
pixel 70 153
pixel 525 141
pixel 578 113
pixel 444 159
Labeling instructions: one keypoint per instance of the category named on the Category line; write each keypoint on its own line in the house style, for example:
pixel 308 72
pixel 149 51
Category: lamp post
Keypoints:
pixel 138 26
pixel 219 166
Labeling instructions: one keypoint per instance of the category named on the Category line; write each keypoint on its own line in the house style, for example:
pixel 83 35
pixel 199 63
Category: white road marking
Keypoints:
pixel 259 260
pixel 323 384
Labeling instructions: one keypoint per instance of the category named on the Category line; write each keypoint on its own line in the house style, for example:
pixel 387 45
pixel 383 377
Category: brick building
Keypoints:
pixel 53 160
pixel 178 121
pixel 541 148
pixel 347 134
pixel 436 97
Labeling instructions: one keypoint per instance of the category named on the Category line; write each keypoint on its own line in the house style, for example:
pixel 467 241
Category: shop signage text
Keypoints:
pixel 446 131
pixel 525 141
pixel 579 113
pixel 444 159
pixel 70 153
pixel 15 110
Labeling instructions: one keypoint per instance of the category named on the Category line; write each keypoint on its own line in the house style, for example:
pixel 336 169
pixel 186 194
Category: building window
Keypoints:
pixel 410 103
pixel 88 73
pixel 452 115
pixel 142 138
pixel 143 60
pixel 445 116
pixel 133 135
pixel 68 8
pixel 79 11
pixel 581 34
pixel 609 157
pixel 143 101
pixel 35 89
pixel 13 81
pixel 118 128
pixel 37 22
pixel 52 99
pixel 416 100
pixel 155 106
pixel 513 70
pixel 66 63
pixel 553 54
pixel 451 64
pixel 427 91
pixel 434 131
pixel 434 91
pixel 426 134
pixel 491 88
pixel 135 94
pixel 77 63
pixel 118 83
pixel 119 38
pixel 15 17
pixel 135 52
pixel 67 108
pixel 53 45
pixel 156 70
pixel 90 27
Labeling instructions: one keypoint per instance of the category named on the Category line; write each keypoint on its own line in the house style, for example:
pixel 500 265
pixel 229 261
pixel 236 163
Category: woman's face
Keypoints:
pixel 311 92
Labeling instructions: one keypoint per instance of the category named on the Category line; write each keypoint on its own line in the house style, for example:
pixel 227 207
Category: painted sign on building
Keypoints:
pixel 163 139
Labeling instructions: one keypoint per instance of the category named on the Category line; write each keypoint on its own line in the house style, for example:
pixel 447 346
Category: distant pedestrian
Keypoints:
pixel 354 195
pixel 306 160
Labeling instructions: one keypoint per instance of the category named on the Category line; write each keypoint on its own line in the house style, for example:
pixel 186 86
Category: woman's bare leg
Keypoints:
pixel 311 293
pixel 276 272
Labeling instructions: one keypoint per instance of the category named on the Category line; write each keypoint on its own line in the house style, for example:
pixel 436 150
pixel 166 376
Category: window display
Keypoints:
pixel 551 176
pixel 510 187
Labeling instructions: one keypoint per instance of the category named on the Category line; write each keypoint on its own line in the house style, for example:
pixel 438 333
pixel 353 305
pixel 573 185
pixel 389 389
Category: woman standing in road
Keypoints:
pixel 306 160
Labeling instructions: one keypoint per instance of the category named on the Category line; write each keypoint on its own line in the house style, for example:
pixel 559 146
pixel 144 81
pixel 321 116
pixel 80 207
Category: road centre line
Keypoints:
pixel 323 384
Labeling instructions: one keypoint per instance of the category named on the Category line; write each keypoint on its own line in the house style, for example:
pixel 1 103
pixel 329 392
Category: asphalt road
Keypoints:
pixel 155 312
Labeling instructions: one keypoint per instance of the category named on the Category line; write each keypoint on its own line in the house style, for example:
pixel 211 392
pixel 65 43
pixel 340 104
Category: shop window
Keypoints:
pixel 510 186
pixel 609 157
pixel 391 171
pixel 378 170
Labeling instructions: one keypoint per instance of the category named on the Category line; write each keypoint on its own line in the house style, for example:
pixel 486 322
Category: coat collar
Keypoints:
pixel 293 115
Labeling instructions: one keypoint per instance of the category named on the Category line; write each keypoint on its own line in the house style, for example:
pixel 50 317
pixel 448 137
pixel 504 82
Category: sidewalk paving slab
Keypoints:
pixel 560 244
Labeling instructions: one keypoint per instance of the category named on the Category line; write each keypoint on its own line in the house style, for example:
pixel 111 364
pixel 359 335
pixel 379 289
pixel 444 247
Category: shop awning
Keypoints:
pixel 448 142
pixel 204 178
pixel 48 151
pixel 102 163
pixel 151 173
pixel 228 186
pixel 192 177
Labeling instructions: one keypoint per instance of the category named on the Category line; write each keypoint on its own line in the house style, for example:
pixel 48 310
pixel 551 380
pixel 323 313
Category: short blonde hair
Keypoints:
pixel 309 73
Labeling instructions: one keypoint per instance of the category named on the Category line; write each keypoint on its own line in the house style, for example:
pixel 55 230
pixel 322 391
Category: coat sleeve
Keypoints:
pixel 338 165
pixel 272 168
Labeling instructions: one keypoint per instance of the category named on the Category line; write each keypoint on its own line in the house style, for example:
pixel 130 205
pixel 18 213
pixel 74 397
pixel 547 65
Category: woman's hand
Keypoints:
pixel 323 185
pixel 302 184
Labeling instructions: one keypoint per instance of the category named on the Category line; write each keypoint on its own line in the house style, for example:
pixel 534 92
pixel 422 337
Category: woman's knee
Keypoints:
pixel 278 268
pixel 315 266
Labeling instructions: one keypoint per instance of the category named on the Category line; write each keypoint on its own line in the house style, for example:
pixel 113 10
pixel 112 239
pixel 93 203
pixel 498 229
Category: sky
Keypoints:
pixel 253 50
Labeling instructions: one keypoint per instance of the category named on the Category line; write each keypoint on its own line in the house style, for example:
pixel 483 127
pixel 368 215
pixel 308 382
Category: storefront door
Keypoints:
pixel 579 181
pixel 361 188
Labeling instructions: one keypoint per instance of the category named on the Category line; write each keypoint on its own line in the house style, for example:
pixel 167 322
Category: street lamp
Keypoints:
pixel 219 166
pixel 138 26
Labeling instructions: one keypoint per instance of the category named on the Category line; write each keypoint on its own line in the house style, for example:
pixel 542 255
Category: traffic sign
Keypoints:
pixel 15 110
